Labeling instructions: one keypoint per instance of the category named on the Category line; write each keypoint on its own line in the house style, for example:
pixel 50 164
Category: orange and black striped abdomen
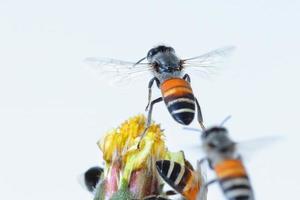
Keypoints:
pixel 180 178
pixel 234 180
pixel 179 98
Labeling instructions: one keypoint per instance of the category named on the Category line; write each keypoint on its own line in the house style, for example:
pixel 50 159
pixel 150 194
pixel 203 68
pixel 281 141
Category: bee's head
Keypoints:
pixel 216 139
pixel 163 59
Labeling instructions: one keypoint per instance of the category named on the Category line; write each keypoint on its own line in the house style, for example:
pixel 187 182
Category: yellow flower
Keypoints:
pixel 122 142
pixel 120 145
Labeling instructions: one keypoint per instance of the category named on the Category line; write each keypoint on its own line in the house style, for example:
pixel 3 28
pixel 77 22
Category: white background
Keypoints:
pixel 53 109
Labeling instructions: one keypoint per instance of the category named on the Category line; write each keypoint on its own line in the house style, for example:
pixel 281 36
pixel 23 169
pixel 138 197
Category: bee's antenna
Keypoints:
pixel 225 120
pixel 138 62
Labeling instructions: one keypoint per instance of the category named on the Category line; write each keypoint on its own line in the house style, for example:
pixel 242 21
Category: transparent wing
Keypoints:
pixel 195 145
pixel 202 171
pixel 208 63
pixel 249 148
pixel 118 72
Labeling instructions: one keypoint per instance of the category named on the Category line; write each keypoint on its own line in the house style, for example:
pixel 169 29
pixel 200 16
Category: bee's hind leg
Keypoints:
pixel 150 84
pixel 199 115
pixel 149 117
pixel 200 118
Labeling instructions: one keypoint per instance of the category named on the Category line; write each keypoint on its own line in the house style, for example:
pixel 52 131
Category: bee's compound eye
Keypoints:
pixel 211 145
pixel 223 150
pixel 155 64
pixel 151 52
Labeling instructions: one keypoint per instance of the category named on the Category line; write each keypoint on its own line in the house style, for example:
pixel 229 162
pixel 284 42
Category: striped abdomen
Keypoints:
pixel 178 96
pixel 234 180
pixel 179 177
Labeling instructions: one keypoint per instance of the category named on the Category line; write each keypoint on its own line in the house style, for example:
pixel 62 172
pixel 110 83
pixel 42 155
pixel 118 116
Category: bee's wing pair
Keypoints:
pixel 209 63
pixel 118 72
pixel 246 148
pixel 122 73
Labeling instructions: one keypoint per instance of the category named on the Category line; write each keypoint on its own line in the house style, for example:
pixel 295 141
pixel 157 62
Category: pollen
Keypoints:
pixel 122 143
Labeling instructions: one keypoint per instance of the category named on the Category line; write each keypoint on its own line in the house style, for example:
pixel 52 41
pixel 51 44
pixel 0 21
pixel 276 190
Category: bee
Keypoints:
pixel 223 158
pixel 90 178
pixel 168 73
pixel 183 178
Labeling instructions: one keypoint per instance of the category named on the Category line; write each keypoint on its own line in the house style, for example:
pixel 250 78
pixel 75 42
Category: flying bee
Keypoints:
pixel 168 73
pixel 183 178
pixel 223 158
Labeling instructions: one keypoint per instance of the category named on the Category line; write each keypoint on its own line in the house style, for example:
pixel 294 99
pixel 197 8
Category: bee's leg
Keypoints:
pixel 239 157
pixel 150 89
pixel 152 197
pixel 170 192
pixel 200 162
pixel 187 78
pixel 211 182
pixel 200 118
pixel 150 110
pixel 149 117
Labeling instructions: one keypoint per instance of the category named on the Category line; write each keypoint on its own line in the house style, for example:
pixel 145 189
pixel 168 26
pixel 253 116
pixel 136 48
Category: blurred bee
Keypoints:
pixel 168 71
pixel 187 182
pixel 222 156
pixel 91 178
